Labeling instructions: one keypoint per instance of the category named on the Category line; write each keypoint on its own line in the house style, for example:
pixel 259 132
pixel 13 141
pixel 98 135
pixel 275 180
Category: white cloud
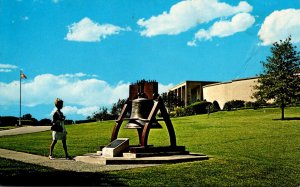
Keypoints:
pixel 77 90
pixel 88 31
pixel 84 111
pixel 238 23
pixel 164 88
pixel 7 68
pixel 187 14
pixel 279 25
pixel 81 93
pixel 192 43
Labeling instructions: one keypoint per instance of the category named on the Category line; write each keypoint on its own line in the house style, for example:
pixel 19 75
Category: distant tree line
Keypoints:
pixel 26 119
pixel 104 114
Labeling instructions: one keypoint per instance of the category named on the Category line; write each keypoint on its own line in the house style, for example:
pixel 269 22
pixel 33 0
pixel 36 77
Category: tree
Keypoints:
pixel 171 100
pixel 29 120
pixel 281 76
pixel 117 107
pixel 27 116
pixel 102 114
pixel 45 121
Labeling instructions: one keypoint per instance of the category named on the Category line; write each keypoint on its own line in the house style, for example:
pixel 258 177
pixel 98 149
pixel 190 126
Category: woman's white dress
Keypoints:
pixel 60 135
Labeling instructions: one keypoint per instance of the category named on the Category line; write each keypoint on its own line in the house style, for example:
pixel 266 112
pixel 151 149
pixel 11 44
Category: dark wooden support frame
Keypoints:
pixel 144 132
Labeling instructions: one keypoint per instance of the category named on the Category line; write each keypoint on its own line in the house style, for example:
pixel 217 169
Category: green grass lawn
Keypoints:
pixel 246 148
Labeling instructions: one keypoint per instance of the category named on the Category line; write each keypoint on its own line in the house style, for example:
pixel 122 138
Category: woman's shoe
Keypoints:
pixel 51 158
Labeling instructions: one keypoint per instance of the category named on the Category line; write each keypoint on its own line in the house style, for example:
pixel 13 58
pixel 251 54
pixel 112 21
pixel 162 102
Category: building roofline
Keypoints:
pixel 228 82
pixel 213 83
pixel 248 78
pixel 184 82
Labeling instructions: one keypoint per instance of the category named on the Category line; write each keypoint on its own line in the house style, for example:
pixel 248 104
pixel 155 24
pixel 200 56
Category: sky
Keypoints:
pixel 88 52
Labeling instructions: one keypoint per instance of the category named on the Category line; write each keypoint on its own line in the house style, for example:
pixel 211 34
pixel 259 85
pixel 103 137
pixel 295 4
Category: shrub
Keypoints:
pixel 45 121
pixel 234 104
pixel 254 105
pixel 69 122
pixel 172 114
pixel 189 110
pixel 179 112
pixel 197 108
pixel 237 103
pixel 215 106
pixel 8 120
pixel 249 104
pixel 227 106
pixel 32 121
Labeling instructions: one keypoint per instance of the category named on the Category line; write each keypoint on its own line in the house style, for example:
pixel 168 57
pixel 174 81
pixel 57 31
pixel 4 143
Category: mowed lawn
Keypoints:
pixel 246 148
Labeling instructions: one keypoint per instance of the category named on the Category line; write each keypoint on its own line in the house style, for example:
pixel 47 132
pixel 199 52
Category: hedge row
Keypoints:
pixel 202 107
pixel 205 107
pixel 237 104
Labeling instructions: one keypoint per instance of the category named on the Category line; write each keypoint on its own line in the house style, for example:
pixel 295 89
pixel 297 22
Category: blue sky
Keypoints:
pixel 88 52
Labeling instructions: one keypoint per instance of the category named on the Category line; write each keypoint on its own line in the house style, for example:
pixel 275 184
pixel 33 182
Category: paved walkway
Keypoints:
pixel 60 164
pixel 24 130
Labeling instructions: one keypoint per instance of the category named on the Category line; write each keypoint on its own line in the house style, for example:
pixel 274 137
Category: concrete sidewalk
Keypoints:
pixel 63 164
pixel 24 130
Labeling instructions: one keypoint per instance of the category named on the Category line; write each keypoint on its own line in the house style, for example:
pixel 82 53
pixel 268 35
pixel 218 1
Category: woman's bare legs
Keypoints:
pixel 64 142
pixel 52 148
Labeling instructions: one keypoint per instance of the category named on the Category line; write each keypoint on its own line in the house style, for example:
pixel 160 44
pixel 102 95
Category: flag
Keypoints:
pixel 23 76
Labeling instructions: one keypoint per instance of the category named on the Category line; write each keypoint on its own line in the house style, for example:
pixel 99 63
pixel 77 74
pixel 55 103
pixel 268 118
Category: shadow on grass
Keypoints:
pixel 288 119
pixel 15 173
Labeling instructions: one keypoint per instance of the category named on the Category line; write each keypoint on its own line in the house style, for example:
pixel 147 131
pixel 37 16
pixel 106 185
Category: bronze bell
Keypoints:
pixel 140 111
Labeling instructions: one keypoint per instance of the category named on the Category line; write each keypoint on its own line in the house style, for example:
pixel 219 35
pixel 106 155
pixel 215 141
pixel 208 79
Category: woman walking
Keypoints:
pixel 58 129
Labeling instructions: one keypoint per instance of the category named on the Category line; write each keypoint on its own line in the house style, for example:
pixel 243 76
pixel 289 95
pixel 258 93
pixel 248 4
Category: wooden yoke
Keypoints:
pixel 144 132
pixel 120 119
pixel 158 105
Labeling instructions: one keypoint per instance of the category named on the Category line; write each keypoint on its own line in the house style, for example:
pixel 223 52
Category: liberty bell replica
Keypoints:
pixel 140 110
pixel 143 104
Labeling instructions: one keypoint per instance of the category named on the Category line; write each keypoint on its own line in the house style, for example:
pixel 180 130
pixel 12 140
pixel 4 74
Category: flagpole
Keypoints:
pixel 20 98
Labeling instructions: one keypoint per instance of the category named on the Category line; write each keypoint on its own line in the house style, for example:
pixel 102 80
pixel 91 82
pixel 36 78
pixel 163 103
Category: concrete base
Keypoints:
pixel 144 155
pixel 130 158
pixel 116 147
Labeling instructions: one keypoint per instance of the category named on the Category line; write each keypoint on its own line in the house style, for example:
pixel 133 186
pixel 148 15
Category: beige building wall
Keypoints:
pixel 241 89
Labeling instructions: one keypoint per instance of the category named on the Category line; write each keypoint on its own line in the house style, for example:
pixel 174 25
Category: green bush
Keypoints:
pixel 171 114
pixel 8 121
pixel 238 103
pixel 197 108
pixel 193 109
pixel 234 104
pixel 189 110
pixel 215 106
pixel 227 106
pixel 179 112
pixel 254 105
pixel 249 104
